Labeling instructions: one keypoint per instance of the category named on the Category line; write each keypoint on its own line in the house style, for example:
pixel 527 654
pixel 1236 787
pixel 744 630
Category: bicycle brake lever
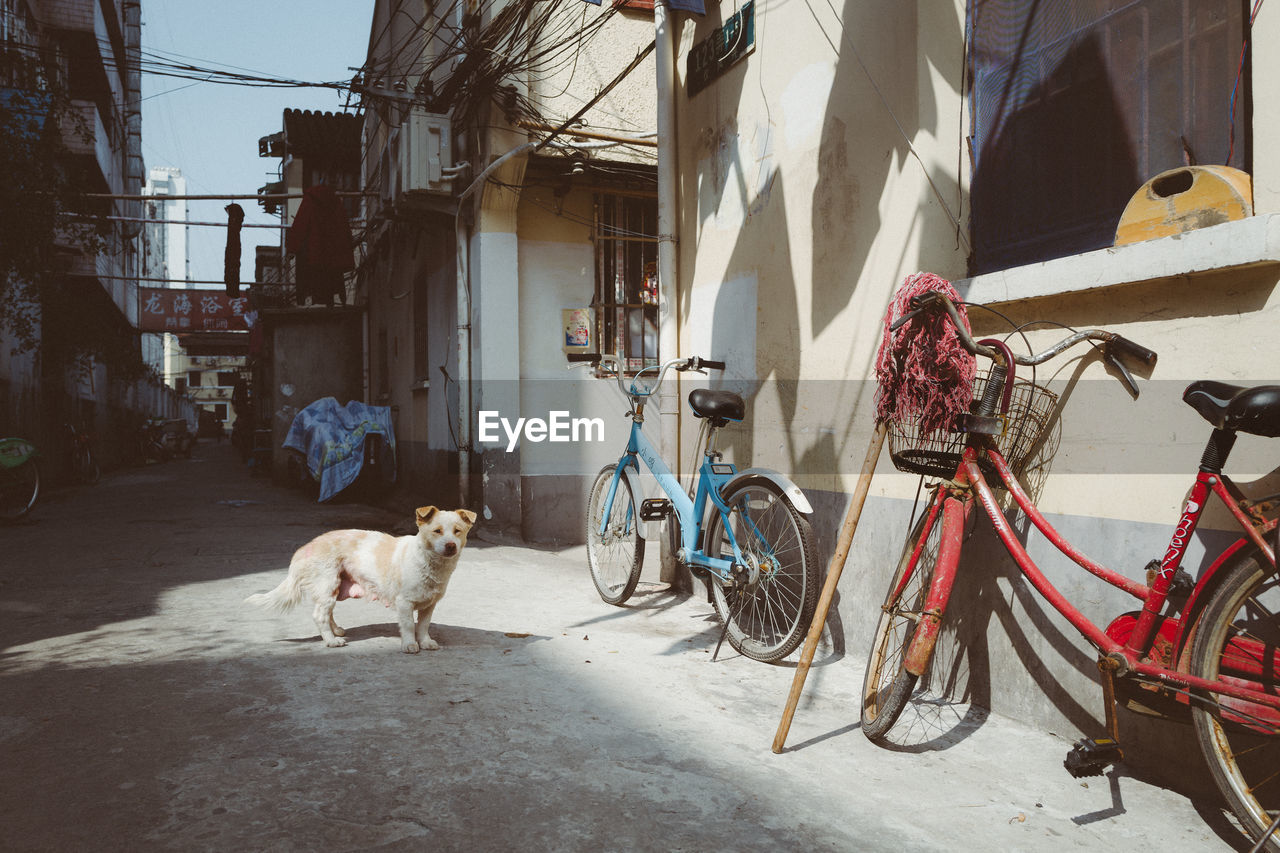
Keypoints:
pixel 1125 376
pixel 901 321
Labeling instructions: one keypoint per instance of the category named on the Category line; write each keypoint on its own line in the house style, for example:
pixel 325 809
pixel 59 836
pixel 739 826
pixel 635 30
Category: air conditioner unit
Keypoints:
pixel 425 154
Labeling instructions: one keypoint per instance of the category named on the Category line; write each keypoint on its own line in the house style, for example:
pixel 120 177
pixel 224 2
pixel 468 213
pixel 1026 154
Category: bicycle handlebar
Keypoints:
pixel 1112 343
pixel 638 388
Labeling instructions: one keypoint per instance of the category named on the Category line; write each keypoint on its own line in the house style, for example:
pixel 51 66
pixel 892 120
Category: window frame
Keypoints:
pixel 625 248
pixel 1048 225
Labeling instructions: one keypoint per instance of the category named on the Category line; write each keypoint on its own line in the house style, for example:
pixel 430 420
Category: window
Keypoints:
pixel 227 378
pixel 626 299
pixel 193 378
pixel 220 411
pixel 1077 103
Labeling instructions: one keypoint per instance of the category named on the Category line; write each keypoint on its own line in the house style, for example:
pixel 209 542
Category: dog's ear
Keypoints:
pixel 468 516
pixel 424 514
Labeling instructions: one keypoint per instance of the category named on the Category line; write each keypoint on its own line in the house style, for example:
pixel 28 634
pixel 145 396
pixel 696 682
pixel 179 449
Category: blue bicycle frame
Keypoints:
pixel 712 476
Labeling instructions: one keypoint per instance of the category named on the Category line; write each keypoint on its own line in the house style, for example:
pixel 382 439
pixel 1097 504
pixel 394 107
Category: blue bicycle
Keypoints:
pixel 743 532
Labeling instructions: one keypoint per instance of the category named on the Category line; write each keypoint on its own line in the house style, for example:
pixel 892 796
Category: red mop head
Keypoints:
pixel 923 370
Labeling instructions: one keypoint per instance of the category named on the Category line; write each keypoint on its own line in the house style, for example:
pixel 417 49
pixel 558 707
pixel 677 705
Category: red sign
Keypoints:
pixel 166 310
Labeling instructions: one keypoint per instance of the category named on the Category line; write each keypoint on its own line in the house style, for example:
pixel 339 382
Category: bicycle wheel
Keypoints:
pixel 19 488
pixel 86 466
pixel 616 555
pixel 1238 639
pixel 887 685
pixel 769 617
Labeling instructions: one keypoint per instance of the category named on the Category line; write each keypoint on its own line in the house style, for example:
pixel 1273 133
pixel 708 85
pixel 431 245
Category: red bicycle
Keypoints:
pixel 1218 653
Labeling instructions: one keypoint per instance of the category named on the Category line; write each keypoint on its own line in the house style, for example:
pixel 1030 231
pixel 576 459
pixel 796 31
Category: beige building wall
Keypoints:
pixel 831 163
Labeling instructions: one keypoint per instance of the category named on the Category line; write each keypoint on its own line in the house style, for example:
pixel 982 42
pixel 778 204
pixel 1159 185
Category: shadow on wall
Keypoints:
pixel 1066 198
pixel 859 151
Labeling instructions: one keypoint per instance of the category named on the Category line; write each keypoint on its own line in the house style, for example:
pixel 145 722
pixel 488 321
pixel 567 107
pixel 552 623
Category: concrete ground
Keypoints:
pixel 143 706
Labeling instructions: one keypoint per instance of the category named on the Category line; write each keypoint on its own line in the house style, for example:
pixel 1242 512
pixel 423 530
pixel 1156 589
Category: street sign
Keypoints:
pixel 712 56
pixel 167 310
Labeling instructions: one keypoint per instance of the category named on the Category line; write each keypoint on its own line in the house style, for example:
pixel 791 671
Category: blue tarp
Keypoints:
pixel 331 437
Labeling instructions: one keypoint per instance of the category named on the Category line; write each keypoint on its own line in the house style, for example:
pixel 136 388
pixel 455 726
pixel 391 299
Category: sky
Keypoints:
pixel 210 131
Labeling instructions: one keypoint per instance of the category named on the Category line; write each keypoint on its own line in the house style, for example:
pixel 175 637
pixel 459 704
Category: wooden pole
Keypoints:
pixel 836 566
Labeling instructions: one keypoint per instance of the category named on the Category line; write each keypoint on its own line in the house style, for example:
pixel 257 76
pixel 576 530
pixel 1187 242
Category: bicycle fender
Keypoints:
pixel 790 489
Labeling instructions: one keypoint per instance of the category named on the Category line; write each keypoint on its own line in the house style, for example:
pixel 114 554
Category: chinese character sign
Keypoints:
pixel 165 310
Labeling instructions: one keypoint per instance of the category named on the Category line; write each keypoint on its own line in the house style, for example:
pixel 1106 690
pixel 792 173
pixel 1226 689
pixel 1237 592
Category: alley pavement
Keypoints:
pixel 144 706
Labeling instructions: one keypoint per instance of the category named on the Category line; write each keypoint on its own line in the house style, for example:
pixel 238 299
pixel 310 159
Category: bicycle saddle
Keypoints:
pixel 1255 411
pixel 720 406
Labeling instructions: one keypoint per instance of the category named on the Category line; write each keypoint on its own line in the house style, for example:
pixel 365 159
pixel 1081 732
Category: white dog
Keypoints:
pixel 409 572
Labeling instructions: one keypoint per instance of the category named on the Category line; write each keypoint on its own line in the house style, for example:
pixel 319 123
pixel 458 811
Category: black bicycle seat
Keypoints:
pixel 1255 410
pixel 720 406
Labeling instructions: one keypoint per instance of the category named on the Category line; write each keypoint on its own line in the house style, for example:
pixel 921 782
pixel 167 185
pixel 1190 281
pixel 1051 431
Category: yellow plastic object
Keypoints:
pixel 1184 199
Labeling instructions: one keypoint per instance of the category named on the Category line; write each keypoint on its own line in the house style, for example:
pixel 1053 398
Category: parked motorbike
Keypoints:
pixel 152 445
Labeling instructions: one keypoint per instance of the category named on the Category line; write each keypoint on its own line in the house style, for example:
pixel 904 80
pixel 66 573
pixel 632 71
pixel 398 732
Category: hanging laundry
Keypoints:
pixel 231 261
pixel 320 240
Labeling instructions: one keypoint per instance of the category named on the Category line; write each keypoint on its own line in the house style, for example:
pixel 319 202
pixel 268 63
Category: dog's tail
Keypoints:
pixel 283 597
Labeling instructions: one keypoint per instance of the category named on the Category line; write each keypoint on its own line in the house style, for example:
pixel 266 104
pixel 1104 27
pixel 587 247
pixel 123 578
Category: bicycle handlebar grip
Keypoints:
pixel 1138 351
pixel 593 357
pixel 714 365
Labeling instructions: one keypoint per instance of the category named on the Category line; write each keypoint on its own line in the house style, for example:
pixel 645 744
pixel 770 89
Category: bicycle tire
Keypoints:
pixel 616 557
pixel 19 489
pixel 1239 632
pixel 86 466
pixel 887 685
pixel 769 618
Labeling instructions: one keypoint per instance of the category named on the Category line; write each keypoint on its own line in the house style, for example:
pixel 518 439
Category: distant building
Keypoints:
pixel 210 381
pixel 80 57
pixel 165 263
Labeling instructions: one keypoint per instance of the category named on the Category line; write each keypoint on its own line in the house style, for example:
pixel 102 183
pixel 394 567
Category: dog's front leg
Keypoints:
pixel 424 622
pixel 404 615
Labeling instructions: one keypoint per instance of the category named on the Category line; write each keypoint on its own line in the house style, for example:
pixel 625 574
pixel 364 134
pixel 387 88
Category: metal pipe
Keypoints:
pixel 668 330
pixel 143 219
pixel 265 196
pixel 464 323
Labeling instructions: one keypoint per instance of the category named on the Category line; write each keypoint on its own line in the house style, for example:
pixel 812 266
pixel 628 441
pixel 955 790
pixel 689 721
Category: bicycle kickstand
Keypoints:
pixel 1091 756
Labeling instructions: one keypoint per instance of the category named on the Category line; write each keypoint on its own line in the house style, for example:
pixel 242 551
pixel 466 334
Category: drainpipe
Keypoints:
pixel 462 232
pixel 668 340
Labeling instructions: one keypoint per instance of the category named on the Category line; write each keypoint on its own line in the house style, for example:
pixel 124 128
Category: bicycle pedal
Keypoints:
pixel 1090 757
pixel 654 509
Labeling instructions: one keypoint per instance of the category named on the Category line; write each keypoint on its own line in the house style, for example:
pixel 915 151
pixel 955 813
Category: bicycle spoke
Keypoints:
pixel 1254 788
pixel 771 613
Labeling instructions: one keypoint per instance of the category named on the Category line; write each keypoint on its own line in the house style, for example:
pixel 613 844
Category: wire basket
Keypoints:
pixel 938 454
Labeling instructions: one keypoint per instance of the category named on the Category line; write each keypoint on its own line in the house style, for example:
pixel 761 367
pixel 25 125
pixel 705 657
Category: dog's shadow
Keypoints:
pixel 444 634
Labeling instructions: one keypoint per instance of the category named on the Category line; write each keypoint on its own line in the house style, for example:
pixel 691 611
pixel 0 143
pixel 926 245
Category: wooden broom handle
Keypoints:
pixel 834 569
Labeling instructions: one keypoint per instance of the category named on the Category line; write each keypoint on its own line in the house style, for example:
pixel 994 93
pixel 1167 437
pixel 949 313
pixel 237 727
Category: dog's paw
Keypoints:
pixel 339 632
pixel 336 642
pixel 431 645
pixel 411 648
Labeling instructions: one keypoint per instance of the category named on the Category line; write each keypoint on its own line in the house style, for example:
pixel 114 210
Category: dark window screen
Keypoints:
pixel 1077 103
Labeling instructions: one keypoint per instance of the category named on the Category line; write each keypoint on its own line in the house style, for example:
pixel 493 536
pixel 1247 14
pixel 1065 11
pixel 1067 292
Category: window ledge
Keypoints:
pixel 1233 245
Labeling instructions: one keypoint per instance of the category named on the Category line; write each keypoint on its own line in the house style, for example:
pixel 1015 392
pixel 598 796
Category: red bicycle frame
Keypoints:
pixel 1131 650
